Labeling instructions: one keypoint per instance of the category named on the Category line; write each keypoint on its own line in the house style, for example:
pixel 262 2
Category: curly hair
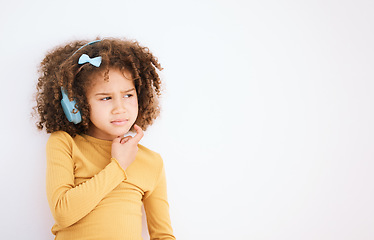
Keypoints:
pixel 60 68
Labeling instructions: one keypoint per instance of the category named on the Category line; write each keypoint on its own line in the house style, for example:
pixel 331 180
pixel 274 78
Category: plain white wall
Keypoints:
pixel 267 123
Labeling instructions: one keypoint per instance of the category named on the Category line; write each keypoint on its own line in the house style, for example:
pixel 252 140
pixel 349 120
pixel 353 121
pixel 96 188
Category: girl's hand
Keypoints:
pixel 125 149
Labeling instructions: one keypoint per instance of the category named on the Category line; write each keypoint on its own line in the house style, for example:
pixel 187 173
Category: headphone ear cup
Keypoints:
pixel 71 112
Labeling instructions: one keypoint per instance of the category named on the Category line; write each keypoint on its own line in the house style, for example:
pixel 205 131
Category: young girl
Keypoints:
pixel 90 95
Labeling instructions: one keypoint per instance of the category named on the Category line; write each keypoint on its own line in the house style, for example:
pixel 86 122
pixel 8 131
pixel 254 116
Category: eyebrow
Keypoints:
pixel 130 90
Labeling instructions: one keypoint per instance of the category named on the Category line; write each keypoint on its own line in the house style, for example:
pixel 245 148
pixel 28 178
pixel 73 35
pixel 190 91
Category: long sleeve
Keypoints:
pixel 157 210
pixel 69 202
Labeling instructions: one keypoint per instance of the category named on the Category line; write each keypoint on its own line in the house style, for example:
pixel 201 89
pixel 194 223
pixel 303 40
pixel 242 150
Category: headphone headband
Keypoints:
pixel 90 43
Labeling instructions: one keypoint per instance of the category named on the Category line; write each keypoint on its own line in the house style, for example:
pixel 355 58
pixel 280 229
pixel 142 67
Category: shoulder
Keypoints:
pixel 59 138
pixel 151 164
pixel 150 157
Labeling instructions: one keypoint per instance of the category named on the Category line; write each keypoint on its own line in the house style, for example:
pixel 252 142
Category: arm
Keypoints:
pixel 70 203
pixel 157 210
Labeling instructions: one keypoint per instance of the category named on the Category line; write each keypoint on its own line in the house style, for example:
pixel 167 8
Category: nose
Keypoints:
pixel 118 106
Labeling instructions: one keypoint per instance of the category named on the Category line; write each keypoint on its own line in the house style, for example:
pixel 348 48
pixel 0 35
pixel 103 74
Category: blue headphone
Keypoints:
pixel 70 107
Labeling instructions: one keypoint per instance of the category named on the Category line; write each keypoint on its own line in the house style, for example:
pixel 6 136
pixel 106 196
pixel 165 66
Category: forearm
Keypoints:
pixel 70 203
pixel 157 210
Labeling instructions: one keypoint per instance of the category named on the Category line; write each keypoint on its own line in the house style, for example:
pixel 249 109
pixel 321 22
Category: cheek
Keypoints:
pixel 134 102
pixel 96 111
pixel 134 106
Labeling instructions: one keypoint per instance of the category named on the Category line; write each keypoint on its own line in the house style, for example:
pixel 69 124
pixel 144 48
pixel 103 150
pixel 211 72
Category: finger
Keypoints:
pixel 125 139
pixel 139 133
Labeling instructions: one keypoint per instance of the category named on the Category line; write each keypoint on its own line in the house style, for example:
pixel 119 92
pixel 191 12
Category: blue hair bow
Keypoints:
pixel 86 59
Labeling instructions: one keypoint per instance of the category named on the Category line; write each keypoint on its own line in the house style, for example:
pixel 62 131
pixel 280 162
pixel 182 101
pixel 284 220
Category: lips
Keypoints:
pixel 119 122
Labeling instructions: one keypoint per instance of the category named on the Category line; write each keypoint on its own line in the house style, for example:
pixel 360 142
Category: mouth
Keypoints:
pixel 119 122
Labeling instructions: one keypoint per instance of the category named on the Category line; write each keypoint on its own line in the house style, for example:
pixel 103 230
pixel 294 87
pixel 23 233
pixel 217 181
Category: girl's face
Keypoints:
pixel 113 104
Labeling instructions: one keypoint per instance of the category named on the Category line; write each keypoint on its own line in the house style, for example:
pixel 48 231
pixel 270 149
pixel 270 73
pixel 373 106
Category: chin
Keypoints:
pixel 121 133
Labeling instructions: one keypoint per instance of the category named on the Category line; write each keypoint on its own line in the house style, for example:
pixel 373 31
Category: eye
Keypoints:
pixel 105 99
pixel 127 95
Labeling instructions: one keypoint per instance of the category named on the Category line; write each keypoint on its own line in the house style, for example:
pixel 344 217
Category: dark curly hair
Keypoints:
pixel 60 68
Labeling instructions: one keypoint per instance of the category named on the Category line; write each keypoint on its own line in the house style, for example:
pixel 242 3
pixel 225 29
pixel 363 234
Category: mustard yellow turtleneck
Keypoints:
pixel 92 197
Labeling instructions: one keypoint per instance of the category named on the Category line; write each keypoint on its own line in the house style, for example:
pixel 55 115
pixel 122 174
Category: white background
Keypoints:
pixel 267 114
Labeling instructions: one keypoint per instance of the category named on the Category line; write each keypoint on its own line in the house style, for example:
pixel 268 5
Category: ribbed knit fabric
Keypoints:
pixel 92 197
